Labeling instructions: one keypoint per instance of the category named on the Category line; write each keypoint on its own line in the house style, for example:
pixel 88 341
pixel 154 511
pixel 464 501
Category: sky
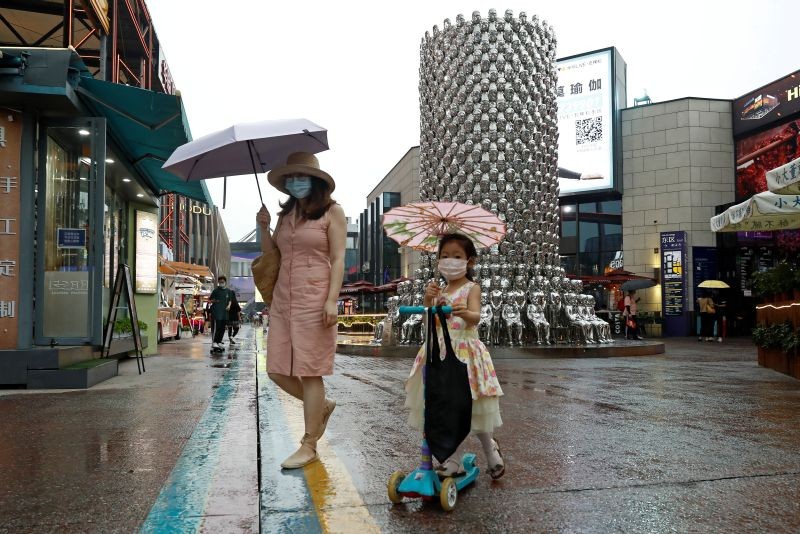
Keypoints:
pixel 352 67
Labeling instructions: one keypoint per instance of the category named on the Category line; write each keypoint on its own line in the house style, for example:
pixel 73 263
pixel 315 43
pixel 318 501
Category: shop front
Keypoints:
pixel 81 198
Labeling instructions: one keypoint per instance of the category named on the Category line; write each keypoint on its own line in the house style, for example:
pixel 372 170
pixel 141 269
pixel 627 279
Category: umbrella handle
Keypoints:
pixel 255 172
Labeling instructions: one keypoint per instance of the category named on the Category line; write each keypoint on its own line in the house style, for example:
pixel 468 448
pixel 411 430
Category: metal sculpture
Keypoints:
pixel 488 121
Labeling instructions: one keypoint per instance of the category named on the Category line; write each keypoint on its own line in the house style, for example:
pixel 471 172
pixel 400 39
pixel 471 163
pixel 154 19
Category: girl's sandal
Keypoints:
pixel 450 468
pixel 498 470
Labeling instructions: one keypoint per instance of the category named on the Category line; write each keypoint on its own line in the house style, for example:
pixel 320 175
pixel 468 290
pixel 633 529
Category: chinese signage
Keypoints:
pixel 146 252
pixel 769 104
pixel 71 238
pixel 10 209
pixel 585 96
pixel 673 274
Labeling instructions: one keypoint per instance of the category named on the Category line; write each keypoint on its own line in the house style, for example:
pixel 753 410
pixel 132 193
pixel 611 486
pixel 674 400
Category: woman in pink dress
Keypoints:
pixel 301 343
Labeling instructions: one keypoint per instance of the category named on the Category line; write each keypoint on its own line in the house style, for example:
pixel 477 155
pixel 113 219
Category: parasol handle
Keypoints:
pixel 421 309
pixel 255 172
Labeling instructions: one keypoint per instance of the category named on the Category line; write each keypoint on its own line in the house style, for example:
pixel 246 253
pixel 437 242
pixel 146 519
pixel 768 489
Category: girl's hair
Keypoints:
pixel 319 201
pixel 466 244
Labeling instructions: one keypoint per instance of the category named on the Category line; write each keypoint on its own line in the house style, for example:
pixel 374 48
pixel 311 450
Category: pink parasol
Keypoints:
pixel 420 224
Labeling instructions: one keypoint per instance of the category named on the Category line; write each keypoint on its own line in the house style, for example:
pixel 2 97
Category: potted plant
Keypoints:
pixel 124 327
pixel 777 343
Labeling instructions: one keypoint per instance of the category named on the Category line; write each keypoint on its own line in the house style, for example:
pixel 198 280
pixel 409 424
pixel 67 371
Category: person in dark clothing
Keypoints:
pixel 220 300
pixel 233 318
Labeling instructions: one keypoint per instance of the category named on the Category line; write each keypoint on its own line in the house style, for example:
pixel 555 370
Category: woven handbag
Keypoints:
pixel 265 272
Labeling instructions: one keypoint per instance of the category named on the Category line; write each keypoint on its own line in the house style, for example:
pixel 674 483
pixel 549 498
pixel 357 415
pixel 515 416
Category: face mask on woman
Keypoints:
pixel 452 268
pixel 299 186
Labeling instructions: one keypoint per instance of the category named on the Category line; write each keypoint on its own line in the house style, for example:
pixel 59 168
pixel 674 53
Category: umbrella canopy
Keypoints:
pixel 713 284
pixel 639 283
pixel 420 224
pixel 765 211
pixel 785 180
pixel 246 147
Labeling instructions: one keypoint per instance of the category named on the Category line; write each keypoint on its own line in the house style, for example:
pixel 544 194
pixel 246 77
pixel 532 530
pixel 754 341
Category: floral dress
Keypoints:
pixel 469 349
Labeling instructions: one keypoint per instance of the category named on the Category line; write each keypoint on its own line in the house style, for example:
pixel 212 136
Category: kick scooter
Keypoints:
pixel 424 482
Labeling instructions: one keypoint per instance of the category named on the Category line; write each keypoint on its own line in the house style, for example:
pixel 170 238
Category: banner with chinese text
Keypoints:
pixel 673 283
pixel 10 153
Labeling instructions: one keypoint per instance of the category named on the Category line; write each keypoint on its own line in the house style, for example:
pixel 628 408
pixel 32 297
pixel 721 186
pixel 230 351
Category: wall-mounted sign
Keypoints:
pixel 10 147
pixel 673 283
pixel 586 122
pixel 201 210
pixel 146 252
pixel 704 267
pixel 71 237
pixel 773 102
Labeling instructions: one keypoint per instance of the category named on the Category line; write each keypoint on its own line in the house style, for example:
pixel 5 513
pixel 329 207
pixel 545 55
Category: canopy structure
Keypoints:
pixel 148 126
pixel 178 267
pixel 785 180
pixel 765 211
pixel 615 277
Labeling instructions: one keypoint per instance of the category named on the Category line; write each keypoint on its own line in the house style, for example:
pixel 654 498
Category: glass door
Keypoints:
pixel 70 244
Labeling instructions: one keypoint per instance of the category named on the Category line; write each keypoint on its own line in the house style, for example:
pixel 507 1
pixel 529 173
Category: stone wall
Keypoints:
pixel 678 165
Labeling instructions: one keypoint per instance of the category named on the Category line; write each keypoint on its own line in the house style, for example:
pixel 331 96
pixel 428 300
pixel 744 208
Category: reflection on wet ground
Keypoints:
pixel 698 439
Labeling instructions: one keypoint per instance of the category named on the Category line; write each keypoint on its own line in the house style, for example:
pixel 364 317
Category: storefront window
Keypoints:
pixel 66 233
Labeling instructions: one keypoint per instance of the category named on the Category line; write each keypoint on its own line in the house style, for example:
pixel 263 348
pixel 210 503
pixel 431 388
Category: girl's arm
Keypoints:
pixel 337 237
pixel 472 313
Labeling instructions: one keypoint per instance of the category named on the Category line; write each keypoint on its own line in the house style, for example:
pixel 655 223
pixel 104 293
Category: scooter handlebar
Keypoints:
pixel 421 309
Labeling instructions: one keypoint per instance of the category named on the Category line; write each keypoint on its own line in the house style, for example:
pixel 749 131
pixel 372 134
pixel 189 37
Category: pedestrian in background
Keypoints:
pixel 707 308
pixel 220 300
pixel 631 309
pixel 233 318
pixel 310 234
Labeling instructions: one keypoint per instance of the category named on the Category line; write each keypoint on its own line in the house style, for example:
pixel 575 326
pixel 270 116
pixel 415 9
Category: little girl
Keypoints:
pixel 457 256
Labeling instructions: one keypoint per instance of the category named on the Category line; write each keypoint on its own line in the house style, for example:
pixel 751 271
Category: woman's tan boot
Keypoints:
pixel 330 405
pixel 303 456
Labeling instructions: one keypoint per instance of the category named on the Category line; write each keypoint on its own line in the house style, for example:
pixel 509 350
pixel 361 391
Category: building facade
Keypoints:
pixel 89 117
pixel 381 259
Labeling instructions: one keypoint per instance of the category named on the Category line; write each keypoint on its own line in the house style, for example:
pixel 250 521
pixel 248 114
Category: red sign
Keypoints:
pixel 10 147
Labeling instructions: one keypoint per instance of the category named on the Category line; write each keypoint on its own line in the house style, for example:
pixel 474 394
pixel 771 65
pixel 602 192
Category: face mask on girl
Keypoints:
pixel 299 186
pixel 452 268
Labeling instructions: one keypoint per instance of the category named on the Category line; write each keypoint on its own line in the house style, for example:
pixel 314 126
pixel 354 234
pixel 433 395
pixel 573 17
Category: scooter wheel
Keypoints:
pixel 394 483
pixel 448 496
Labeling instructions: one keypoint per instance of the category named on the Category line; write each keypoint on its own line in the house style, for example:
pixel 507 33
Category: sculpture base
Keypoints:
pixel 607 350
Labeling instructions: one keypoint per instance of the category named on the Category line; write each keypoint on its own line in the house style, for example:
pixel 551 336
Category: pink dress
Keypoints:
pixel 469 349
pixel 298 343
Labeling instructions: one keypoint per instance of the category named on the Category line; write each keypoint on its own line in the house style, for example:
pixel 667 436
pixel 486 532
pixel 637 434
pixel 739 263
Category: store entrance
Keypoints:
pixel 69 232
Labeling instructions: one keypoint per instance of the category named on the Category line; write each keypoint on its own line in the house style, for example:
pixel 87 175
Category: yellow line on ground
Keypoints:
pixel 337 501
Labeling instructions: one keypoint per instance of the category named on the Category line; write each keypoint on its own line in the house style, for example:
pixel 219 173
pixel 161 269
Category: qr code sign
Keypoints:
pixel 588 130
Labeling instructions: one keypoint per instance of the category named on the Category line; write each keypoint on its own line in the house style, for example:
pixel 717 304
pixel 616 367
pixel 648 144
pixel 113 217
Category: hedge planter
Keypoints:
pixel 777 360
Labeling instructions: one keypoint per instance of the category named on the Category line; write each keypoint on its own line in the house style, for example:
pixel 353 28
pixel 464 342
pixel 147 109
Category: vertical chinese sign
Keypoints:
pixel 673 283
pixel 10 153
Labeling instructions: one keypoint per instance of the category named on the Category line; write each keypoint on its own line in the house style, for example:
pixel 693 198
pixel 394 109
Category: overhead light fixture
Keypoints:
pixel 126 180
pixel 140 195
pixel 83 131
pixel 109 160
pixel 83 179
pixel 85 160
pixel 567 209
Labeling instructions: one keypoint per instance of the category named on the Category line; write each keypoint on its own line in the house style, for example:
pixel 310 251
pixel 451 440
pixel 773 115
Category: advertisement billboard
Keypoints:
pixel 146 252
pixel 585 93
pixel 773 102
pixel 761 152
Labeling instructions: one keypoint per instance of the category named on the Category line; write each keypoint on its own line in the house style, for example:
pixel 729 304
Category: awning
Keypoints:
pixel 179 267
pixel 147 126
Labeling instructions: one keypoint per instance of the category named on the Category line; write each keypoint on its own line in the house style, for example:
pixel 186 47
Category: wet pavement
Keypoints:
pixel 697 439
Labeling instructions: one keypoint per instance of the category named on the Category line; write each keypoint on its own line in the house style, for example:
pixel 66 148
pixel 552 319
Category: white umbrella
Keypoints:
pixel 762 212
pixel 785 180
pixel 246 147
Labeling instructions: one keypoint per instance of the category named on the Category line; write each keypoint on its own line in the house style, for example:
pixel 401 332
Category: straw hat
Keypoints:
pixel 298 163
